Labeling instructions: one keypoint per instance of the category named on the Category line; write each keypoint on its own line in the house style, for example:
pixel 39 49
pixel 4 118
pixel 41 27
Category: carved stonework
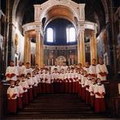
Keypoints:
pixel 77 9
pixel 60 60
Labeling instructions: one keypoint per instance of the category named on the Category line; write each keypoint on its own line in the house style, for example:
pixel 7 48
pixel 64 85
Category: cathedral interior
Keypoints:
pixel 46 32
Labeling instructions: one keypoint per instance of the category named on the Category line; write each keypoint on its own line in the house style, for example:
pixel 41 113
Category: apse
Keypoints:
pixel 60 32
pixel 60 42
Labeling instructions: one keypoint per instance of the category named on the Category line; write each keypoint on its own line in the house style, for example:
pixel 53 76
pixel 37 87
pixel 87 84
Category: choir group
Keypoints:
pixel 27 83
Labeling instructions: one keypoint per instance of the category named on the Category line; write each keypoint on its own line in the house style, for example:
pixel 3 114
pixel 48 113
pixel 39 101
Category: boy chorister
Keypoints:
pixel 91 90
pixel 83 79
pixel 11 72
pixel 20 93
pixel 101 70
pixel 87 85
pixel 99 92
pixel 48 81
pixel 25 86
pixel 92 68
pixel 35 85
pixel 30 83
pixel 12 94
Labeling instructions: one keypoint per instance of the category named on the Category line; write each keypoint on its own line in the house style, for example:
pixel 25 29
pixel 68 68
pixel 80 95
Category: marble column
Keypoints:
pixel 27 48
pixel 93 46
pixel 81 46
pixel 39 48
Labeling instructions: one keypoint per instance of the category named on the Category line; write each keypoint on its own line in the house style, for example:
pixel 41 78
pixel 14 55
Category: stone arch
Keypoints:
pixel 67 4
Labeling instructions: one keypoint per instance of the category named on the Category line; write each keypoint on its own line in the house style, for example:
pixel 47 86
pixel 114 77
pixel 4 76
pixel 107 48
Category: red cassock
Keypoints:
pixel 12 99
pixel 92 100
pixel 12 105
pixel 25 98
pixel 74 87
pixel 99 104
pixel 79 90
pixel 83 93
pixel 30 94
pixel 70 85
pixel 35 91
pixel 99 91
pixel 48 88
pixel 66 86
pixel 77 87
pixel 19 103
pixel 87 95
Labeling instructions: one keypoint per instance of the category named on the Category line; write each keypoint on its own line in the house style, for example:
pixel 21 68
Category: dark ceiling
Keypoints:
pixel 94 10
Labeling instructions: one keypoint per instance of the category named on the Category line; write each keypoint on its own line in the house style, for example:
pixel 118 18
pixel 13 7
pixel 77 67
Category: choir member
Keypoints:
pixel 92 68
pixel 21 69
pixel 25 86
pixel 28 68
pixel 101 70
pixel 11 72
pixel 20 93
pixel 30 83
pixel 87 85
pixel 35 84
pixel 79 79
pixel 99 92
pixel 12 95
pixel 83 79
pixel 86 67
pixel 91 90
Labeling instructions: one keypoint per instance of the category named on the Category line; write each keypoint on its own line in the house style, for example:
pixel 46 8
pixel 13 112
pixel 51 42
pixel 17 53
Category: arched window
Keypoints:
pixel 70 34
pixel 49 35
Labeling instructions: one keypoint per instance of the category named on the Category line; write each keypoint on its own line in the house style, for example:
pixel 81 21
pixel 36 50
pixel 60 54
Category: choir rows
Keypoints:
pixel 29 83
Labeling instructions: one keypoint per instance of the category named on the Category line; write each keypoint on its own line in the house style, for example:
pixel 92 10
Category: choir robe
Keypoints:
pixel 66 79
pixel 29 70
pixel 92 95
pixel 20 96
pixel 86 69
pixel 30 90
pixel 80 87
pixel 38 81
pixel 44 77
pixel 83 93
pixel 52 82
pixel 76 82
pixel 61 84
pixel 92 70
pixel 87 85
pixel 41 83
pixel 72 76
pixel 35 86
pixel 56 82
pixel 25 86
pixel 101 71
pixel 21 70
pixel 11 73
pixel 68 83
pixel 47 83
pixel 99 92
pixel 12 99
